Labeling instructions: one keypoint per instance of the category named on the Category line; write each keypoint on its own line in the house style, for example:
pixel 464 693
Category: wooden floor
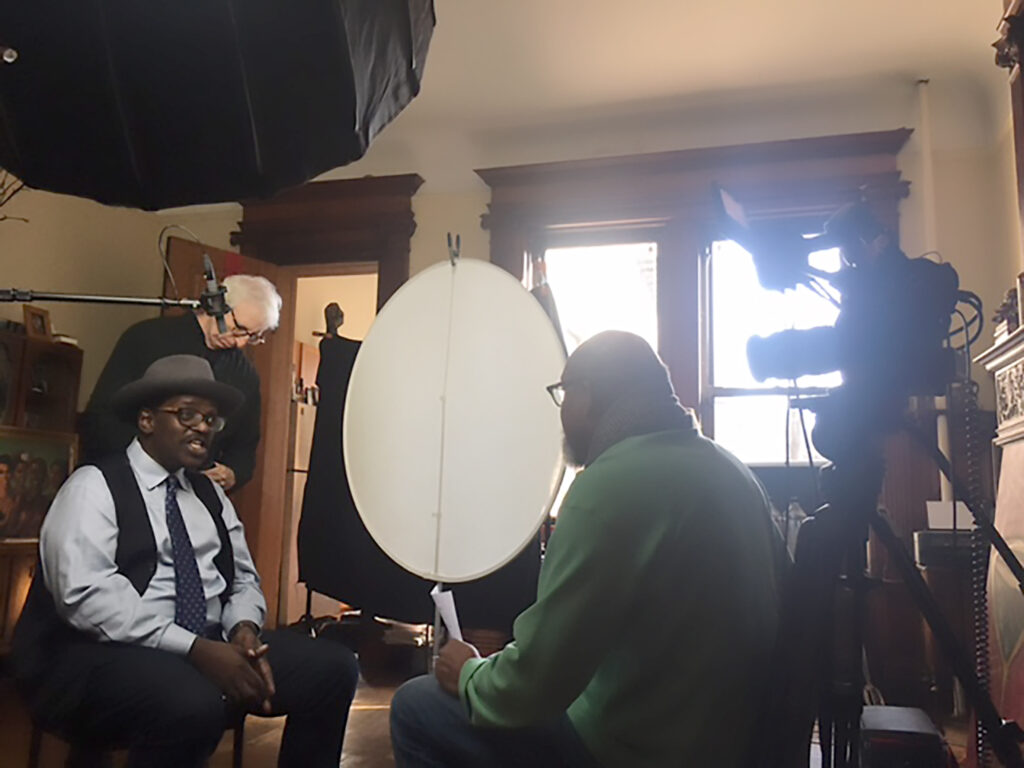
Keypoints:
pixel 367 742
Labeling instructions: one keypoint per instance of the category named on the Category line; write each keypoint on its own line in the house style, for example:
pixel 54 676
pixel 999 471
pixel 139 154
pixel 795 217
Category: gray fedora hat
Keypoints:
pixel 175 375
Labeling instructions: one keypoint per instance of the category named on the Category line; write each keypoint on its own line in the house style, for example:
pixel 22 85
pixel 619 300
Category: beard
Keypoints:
pixel 574 457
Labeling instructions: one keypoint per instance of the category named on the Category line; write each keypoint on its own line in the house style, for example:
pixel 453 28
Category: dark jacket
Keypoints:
pixel 103 434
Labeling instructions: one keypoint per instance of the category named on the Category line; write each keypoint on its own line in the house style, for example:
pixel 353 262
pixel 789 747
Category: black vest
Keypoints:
pixel 40 631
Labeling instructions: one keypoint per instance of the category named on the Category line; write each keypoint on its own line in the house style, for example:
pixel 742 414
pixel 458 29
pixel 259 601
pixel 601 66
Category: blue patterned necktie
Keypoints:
pixel 189 598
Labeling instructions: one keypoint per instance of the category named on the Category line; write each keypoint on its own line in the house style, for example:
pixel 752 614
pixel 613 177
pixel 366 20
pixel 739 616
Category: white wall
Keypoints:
pixel 439 213
pixel 72 245
pixel 356 294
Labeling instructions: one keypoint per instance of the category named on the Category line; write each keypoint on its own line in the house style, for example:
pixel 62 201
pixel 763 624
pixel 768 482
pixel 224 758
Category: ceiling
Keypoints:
pixel 498 62
pixel 521 81
pixel 540 80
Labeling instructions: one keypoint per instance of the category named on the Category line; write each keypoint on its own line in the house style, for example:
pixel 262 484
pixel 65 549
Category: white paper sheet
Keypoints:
pixel 445 602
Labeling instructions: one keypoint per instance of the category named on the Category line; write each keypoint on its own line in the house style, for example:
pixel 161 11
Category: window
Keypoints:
pixel 751 418
pixel 604 287
pixel 599 288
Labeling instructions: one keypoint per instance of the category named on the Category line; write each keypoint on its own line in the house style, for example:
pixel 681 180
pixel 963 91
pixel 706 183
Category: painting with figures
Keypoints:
pixel 33 465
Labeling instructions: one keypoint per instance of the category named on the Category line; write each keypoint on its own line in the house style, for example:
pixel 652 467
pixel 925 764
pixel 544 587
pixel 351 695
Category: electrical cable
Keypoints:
pixel 981 514
pixel 807 447
pixel 810 460
pixel 785 514
pixel 974 444
pixel 162 250
pixel 970 337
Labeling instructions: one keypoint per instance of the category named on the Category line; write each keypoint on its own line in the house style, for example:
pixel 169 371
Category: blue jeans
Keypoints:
pixel 430 729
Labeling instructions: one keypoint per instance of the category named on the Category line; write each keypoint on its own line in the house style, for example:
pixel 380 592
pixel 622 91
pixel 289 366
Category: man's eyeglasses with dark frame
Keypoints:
pixel 240 331
pixel 193 417
pixel 557 392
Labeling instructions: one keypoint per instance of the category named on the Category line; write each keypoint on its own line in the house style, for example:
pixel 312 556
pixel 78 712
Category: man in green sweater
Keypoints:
pixel 656 613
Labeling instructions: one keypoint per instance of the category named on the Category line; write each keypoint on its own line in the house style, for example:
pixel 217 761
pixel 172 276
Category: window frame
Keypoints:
pixel 670 195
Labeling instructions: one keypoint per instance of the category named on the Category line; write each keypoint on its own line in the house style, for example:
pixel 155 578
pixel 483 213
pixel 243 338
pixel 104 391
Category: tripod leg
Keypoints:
pixel 825 736
pixel 1004 738
pixel 842 739
pixel 307 621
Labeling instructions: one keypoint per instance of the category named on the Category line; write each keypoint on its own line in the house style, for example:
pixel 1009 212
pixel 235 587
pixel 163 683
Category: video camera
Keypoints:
pixel 890 340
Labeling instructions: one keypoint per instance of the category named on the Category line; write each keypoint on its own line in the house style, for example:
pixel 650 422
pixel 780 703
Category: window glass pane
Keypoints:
pixel 742 308
pixel 605 287
pixel 756 429
pixel 600 288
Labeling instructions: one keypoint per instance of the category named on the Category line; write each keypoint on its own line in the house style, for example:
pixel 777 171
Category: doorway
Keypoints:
pixel 354 288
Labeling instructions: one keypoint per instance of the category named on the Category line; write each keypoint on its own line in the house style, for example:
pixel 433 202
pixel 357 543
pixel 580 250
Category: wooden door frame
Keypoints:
pixel 313 230
pixel 276 404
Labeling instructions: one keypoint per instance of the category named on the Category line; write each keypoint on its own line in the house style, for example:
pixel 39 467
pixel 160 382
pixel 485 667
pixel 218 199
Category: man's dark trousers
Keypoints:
pixel 161 708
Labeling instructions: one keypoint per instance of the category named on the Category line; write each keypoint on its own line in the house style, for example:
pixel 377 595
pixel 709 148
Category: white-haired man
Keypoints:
pixel 255 310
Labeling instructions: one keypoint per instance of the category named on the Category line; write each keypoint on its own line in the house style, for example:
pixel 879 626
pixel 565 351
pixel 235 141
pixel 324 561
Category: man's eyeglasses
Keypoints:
pixel 557 392
pixel 240 331
pixel 191 417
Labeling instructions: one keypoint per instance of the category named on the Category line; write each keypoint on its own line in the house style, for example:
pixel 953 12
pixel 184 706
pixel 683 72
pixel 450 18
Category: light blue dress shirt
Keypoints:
pixel 78 543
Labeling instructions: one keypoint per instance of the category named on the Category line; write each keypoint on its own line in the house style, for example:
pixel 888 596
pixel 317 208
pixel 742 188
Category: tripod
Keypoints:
pixel 820 673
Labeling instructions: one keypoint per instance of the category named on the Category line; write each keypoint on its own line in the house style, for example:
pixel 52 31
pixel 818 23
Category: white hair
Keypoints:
pixel 258 291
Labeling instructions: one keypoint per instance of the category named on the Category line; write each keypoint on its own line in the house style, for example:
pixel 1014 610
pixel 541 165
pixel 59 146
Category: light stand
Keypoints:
pixel 212 300
pixel 14 294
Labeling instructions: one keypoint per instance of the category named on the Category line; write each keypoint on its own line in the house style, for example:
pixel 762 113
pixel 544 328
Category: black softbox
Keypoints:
pixel 158 103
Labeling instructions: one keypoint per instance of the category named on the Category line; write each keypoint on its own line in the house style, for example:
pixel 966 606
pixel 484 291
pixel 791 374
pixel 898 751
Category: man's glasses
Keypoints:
pixel 240 331
pixel 557 392
pixel 191 417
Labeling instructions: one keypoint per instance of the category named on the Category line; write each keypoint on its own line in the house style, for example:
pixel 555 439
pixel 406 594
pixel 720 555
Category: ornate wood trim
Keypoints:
pixel 782 179
pixel 1011 36
pixel 1010 393
pixel 1005 361
pixel 352 220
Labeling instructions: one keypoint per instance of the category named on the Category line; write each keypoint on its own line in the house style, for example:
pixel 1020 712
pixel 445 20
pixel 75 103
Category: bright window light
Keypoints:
pixel 756 427
pixel 742 308
pixel 605 287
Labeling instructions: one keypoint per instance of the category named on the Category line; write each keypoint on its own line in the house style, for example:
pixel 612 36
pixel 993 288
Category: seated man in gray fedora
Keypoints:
pixel 143 625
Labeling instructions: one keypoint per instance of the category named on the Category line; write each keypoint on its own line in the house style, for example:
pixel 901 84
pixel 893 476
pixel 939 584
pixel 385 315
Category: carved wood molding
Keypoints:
pixel 354 220
pixel 1010 393
pixel 1005 361
pixel 1011 37
pixel 783 179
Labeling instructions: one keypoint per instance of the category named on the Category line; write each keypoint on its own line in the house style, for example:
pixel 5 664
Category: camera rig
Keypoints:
pixel 892 340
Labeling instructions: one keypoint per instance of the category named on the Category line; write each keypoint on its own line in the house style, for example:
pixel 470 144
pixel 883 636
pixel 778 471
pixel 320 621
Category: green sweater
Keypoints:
pixel 655 615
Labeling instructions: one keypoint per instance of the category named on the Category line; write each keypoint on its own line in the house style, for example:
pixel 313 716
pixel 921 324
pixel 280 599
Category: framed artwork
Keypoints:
pixel 33 465
pixel 37 323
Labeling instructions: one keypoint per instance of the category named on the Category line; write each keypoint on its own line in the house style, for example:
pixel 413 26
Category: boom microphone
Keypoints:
pixel 212 299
